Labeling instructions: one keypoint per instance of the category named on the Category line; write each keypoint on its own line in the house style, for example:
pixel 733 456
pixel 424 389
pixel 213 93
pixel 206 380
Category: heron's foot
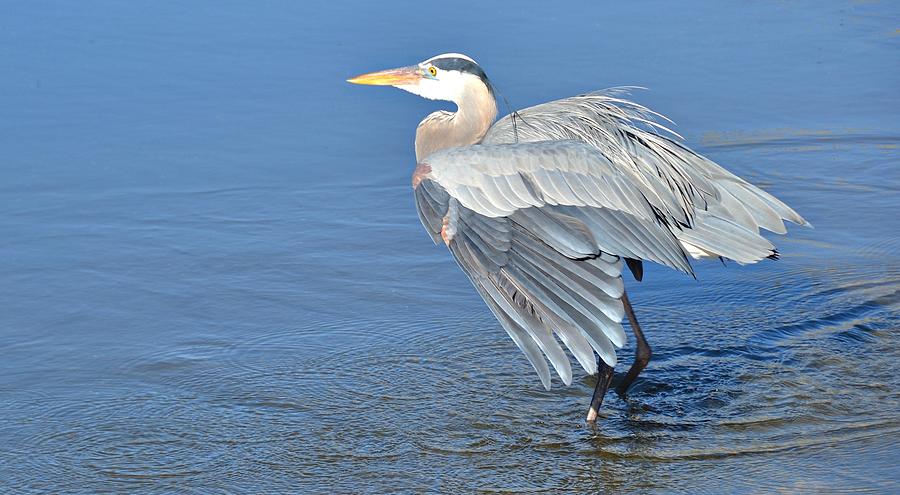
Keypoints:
pixel 592 415
pixel 622 391
pixel 604 378
pixel 623 386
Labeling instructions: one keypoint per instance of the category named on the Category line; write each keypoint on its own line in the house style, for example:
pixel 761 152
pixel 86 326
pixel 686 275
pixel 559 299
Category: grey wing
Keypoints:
pixel 716 209
pixel 555 189
pixel 534 291
pixel 542 240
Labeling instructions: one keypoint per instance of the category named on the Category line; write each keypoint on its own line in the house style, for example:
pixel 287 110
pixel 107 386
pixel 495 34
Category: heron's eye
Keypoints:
pixel 432 70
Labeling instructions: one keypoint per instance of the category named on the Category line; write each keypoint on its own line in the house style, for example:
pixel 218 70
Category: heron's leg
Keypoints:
pixel 604 378
pixel 643 353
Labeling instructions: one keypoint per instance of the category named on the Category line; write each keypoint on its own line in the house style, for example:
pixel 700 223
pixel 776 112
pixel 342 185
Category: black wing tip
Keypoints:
pixel 636 267
pixel 775 256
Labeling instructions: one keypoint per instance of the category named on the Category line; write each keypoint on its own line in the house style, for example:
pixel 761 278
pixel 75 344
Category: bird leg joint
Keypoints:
pixel 449 223
pixel 420 173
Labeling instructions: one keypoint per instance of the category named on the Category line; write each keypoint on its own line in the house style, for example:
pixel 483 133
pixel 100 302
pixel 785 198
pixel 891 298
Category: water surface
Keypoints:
pixel 214 279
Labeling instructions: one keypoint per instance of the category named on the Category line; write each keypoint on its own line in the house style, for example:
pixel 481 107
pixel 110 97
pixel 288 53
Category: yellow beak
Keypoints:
pixel 392 77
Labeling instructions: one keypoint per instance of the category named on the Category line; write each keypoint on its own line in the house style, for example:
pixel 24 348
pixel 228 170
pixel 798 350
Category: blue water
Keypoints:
pixel 214 279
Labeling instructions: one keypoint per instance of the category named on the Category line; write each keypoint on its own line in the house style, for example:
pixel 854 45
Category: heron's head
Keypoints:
pixel 445 77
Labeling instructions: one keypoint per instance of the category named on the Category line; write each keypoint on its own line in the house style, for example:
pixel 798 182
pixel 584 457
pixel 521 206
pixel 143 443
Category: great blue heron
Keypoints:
pixel 543 208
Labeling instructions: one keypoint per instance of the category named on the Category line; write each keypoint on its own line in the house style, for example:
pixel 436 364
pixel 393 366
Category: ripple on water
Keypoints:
pixel 723 397
pixel 334 395
pixel 127 438
pixel 789 362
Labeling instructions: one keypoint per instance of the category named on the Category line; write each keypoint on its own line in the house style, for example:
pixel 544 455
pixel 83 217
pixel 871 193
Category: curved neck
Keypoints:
pixel 476 111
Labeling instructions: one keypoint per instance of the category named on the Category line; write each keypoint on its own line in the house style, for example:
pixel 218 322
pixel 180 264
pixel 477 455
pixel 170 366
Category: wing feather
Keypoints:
pixel 574 243
pixel 675 180
pixel 548 171
pixel 529 267
pixel 518 334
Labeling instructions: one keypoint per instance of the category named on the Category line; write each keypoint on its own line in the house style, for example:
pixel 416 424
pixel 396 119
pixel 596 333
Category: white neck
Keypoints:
pixel 476 112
